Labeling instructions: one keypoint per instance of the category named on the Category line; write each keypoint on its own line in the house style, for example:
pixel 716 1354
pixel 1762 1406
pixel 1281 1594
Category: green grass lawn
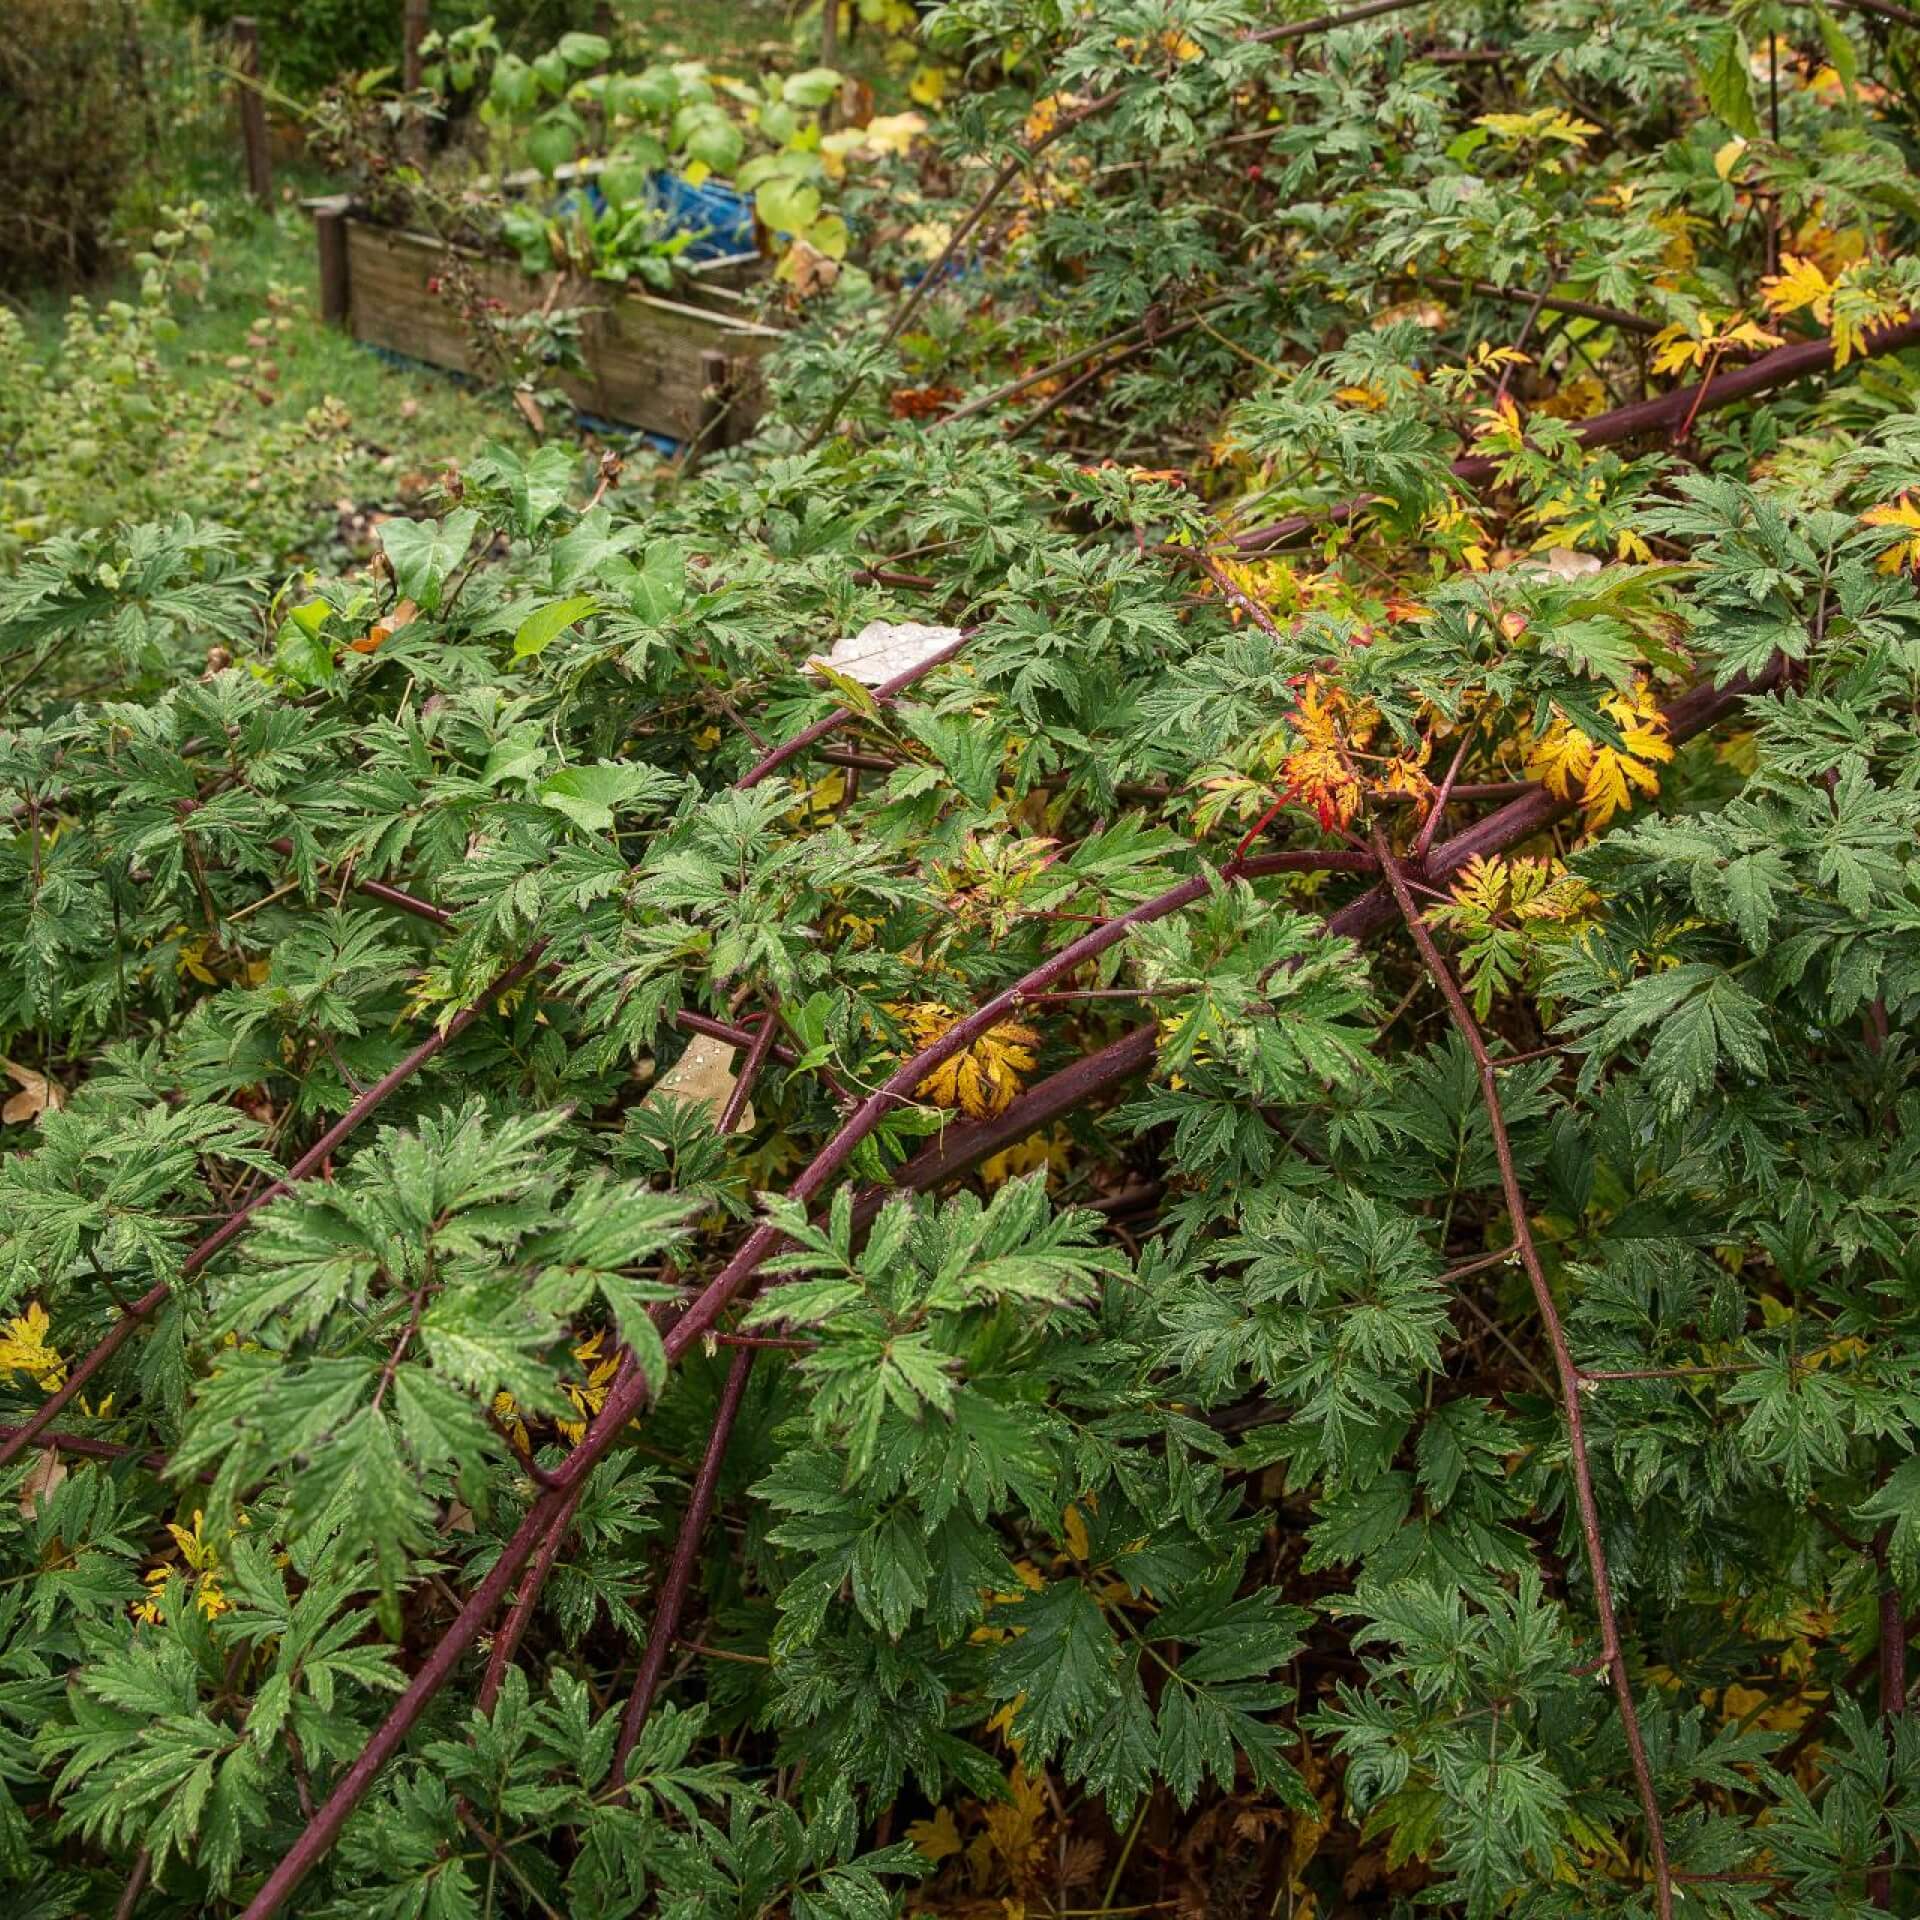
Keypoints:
pixel 404 418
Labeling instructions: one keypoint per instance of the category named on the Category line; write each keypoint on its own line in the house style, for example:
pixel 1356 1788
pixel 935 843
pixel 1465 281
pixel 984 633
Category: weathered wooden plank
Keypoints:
pixel 644 354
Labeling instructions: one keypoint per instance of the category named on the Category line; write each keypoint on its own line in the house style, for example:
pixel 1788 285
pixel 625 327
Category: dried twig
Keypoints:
pixel 1569 1376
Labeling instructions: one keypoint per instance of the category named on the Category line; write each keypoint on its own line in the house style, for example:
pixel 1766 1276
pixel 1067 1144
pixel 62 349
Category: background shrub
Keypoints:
pixel 307 43
pixel 114 422
pixel 77 102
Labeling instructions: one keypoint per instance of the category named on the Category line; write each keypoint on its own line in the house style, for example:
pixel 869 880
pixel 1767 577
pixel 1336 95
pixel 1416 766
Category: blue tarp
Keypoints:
pixel 720 217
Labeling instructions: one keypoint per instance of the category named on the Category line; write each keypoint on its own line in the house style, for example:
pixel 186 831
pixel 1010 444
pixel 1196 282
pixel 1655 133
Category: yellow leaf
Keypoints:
pixel 1801 284
pixel 1607 777
pixel 936 1839
pixel 981 1080
pixel 1075 1531
pixel 1560 758
pixel 1547 123
pixel 893 132
pixel 25 1349
pixel 1903 513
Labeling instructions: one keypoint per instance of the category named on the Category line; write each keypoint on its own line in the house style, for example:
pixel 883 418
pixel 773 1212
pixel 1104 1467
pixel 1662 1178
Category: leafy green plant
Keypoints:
pixel 1125 1127
pixel 114 425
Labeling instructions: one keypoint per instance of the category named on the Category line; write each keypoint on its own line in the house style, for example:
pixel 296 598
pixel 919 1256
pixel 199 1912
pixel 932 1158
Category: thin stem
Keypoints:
pixel 1440 799
pixel 36 668
pixel 1479 1265
pixel 506 1643
pixel 1551 302
pixel 500 1858
pixel 1569 1376
pixel 136 1885
pixel 721 1653
pixel 406 902
pixel 686 1550
pixel 1247 604
pixel 749 1072
pixel 1027 381
pixel 1328 22
pixel 1590 1376
pixel 86 1449
pixel 1119 358
pixel 1126 1854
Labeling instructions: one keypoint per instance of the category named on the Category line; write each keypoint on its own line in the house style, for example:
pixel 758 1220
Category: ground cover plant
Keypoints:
pixel 1128 1128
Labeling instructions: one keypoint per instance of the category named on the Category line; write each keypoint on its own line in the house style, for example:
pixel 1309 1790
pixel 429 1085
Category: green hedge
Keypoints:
pixel 306 44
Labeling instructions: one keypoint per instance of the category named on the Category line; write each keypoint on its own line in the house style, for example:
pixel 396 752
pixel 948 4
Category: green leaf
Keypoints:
pixel 535 489
pixel 787 206
pixel 1062 1659
pixel 300 651
pixel 1841 55
pixel 583 49
pixel 423 553
pixel 627 179
pixel 813 88
pixel 829 236
pixel 589 796
pixel 544 625
pixel 706 134
pixel 659 589
pixel 1727 75
pixel 553 141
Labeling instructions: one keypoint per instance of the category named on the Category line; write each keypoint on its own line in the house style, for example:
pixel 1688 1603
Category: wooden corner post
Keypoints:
pixel 336 285
pixel 253 108
pixel 413 30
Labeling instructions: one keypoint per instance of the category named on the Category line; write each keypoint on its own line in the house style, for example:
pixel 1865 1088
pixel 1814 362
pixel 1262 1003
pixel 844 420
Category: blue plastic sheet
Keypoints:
pixel 720 218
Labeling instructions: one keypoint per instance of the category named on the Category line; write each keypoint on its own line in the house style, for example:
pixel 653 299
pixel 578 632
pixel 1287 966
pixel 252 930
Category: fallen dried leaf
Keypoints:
pixel 884 649
pixel 404 614
pixel 703 1074
pixel 46 1473
pixel 37 1094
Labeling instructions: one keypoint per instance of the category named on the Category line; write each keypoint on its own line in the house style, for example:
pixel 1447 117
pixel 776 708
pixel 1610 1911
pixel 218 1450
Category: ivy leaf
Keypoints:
pixel 659 589
pixel 423 553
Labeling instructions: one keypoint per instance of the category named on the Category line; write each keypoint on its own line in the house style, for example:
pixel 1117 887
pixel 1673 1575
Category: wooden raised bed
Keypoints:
pixel 685 367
